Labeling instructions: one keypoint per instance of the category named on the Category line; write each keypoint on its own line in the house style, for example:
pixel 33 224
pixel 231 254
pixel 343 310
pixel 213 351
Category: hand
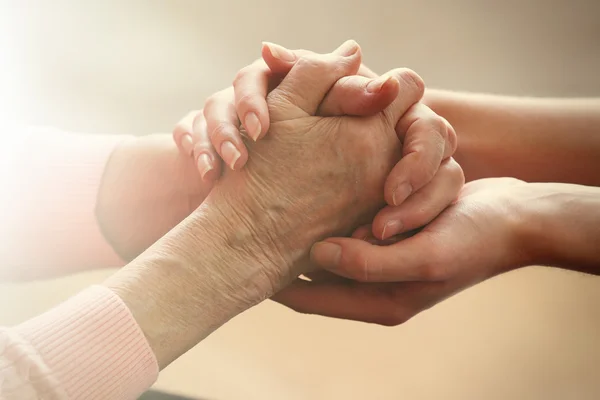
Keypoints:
pixel 144 175
pixel 487 231
pixel 349 96
pixel 421 185
pixel 311 177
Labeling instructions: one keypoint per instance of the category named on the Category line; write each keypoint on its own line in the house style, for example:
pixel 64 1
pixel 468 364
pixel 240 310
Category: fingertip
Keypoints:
pixel 326 254
pixel 278 58
pixel 397 193
pixel 348 48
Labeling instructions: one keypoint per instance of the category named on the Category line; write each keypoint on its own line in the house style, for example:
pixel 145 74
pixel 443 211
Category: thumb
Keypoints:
pixel 312 76
pixel 408 260
pixel 360 96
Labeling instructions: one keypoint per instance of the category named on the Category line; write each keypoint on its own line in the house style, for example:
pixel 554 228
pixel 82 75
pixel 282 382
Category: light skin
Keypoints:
pixel 253 233
pixel 425 171
pixel 494 226
pixel 142 175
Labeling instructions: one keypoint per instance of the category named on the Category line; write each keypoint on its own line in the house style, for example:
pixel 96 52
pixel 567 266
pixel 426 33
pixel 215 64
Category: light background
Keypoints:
pixel 138 66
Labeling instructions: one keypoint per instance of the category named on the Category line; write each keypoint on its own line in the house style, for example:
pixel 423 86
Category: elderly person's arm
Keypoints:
pixel 249 239
pixel 72 202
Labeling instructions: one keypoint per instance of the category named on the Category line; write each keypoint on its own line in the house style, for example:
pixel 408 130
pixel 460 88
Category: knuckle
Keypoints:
pixel 433 271
pixel 220 131
pixel 257 67
pixel 178 131
pixel 312 61
pixel 246 101
pixel 210 101
pixel 451 136
pixel 203 148
pixel 198 119
pixel 456 172
pixel 240 75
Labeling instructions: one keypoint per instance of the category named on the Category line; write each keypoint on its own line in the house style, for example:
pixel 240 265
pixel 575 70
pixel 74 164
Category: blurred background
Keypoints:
pixel 136 67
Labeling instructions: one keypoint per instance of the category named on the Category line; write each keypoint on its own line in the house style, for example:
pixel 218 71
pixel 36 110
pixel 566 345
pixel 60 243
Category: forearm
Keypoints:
pixel 537 140
pixel 191 282
pixel 563 225
pixel 49 184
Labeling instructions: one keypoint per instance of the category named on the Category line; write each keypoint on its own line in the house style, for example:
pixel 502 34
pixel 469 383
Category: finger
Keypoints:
pixel 412 259
pixel 423 206
pixel 250 88
pixel 205 156
pixel 303 89
pixel 339 300
pixel 363 232
pixel 411 91
pixel 360 96
pixel 182 133
pixel 222 125
pixel 281 60
pixel 424 137
pixel 278 59
pixel 355 95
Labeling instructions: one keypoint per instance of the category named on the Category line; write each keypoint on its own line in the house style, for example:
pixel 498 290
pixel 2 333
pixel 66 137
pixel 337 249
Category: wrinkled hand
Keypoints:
pixel 311 177
pixel 484 233
pixel 421 185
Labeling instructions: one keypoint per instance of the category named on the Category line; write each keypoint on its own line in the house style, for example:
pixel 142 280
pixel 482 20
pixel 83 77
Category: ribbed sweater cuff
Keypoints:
pixel 93 347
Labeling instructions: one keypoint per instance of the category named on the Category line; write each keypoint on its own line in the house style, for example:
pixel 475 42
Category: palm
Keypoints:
pixel 468 242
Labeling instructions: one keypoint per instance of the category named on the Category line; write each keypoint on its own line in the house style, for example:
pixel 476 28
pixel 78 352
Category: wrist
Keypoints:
pixel 192 281
pixel 560 226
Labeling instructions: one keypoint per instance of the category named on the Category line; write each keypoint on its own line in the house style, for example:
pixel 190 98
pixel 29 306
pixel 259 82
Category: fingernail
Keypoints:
pixel 401 193
pixel 390 229
pixel 327 254
pixel 187 144
pixel 252 125
pixel 229 152
pixel 376 84
pixel 204 165
pixel 347 49
pixel 280 52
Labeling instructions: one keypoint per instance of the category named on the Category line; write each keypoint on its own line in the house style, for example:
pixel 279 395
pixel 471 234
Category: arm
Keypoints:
pixel 538 140
pixel 496 225
pixel 562 225
pixel 69 199
pixel 50 182
pixel 249 239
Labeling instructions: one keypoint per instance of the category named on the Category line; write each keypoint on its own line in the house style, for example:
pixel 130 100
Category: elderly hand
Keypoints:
pixel 311 177
pixel 421 185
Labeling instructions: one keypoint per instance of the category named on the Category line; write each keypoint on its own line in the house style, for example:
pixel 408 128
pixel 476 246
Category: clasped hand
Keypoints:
pixel 384 272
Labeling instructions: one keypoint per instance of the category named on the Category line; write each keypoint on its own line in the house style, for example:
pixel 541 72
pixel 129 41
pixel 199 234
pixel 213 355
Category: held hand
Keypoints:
pixel 484 233
pixel 421 185
pixel 311 177
pixel 246 101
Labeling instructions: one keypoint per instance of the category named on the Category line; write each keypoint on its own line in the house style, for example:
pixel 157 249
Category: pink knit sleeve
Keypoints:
pixel 88 348
pixel 49 182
